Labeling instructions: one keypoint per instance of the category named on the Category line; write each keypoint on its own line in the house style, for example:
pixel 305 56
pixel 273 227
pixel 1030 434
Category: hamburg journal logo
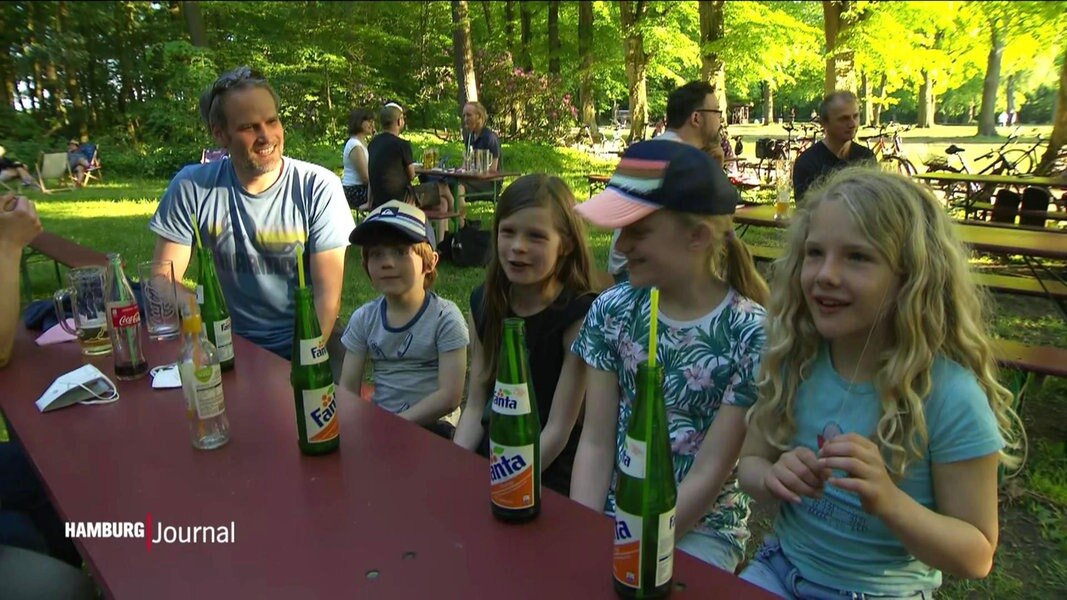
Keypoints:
pixel 153 532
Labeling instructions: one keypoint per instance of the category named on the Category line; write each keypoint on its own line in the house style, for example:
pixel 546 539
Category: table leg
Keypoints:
pixel 1035 269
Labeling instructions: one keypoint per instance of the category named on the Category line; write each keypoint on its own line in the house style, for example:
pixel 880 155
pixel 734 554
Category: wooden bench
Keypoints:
pixel 61 251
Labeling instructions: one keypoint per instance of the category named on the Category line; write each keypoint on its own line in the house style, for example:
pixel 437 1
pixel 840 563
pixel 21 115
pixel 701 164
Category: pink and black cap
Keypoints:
pixel 661 174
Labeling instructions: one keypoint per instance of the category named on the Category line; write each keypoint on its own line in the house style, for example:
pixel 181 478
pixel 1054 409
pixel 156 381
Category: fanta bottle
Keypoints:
pixel 514 433
pixel 645 496
pixel 317 427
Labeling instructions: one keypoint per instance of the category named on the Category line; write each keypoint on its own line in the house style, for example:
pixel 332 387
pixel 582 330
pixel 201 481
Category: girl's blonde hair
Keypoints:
pixel 574 269
pixel 938 311
pixel 728 257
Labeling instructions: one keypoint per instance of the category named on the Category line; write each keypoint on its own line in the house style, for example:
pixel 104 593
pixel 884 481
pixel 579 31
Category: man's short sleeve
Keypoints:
pixel 494 145
pixel 173 218
pixel 596 343
pixel 406 153
pixel 331 222
pixel 354 339
pixel 452 331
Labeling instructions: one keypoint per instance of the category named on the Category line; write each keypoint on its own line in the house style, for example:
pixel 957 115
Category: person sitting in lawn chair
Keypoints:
pixel 10 169
pixel 81 158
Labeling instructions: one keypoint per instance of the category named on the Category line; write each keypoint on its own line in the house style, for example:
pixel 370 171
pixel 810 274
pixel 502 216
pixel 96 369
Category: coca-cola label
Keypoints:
pixel 125 316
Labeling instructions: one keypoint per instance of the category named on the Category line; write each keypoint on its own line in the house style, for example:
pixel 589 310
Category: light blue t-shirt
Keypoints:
pixel 709 362
pixel 405 358
pixel 253 237
pixel 832 541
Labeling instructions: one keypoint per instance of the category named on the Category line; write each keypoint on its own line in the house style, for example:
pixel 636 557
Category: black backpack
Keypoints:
pixel 469 247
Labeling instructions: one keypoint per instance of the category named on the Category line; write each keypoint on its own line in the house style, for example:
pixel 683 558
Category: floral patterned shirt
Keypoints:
pixel 709 362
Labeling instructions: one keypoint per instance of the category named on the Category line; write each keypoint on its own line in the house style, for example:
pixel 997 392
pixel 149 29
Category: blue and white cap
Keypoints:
pixel 399 216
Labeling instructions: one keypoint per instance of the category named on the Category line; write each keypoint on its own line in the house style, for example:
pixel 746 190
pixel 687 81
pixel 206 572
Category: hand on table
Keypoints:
pixel 18 221
pixel 796 473
pixel 862 461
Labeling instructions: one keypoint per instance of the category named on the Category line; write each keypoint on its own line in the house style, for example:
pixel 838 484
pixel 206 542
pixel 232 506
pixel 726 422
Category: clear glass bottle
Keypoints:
pixel 201 377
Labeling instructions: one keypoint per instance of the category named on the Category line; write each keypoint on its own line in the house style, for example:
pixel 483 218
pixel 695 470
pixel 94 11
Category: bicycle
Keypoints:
pixel 1006 161
pixel 889 149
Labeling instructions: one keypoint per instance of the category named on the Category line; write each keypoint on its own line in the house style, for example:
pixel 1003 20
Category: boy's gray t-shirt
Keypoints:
pixel 405 358
pixel 253 237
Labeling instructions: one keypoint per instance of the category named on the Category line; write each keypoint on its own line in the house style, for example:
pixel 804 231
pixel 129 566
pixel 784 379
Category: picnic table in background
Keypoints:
pixel 460 176
pixel 396 512
pixel 971 203
pixel 1030 244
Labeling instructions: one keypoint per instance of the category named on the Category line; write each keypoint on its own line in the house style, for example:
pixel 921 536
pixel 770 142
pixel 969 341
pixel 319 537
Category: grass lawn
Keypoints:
pixel 1032 560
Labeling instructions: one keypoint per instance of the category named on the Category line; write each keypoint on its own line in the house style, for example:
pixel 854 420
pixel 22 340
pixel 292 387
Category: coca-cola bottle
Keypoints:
pixel 124 322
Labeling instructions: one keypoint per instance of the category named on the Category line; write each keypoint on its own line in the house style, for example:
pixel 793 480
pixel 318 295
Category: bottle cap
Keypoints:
pixel 192 324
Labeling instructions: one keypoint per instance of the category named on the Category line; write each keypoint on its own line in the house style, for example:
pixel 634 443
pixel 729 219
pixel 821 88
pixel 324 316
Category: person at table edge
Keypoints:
pixel 476 136
pixel 839 114
pixel 252 209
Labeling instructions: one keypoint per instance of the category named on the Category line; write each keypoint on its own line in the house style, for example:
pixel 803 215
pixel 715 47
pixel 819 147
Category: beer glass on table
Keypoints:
pixel 86 294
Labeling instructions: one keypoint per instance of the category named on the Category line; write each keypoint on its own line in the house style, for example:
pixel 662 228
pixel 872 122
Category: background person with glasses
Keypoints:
pixel 251 209
pixel 693 118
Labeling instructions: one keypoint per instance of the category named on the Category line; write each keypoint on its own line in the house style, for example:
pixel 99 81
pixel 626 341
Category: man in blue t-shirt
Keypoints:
pixel 252 209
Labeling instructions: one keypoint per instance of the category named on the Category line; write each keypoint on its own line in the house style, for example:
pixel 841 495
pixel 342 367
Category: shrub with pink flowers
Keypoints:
pixel 523 105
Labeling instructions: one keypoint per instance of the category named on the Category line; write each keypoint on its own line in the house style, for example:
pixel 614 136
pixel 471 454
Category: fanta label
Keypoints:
pixel 320 412
pixel 511 476
pixel 125 316
pixel 633 458
pixel 313 351
pixel 511 399
pixel 626 560
pixel 224 339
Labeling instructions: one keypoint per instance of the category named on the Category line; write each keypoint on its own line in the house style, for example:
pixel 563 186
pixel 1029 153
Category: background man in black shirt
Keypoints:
pixel 839 114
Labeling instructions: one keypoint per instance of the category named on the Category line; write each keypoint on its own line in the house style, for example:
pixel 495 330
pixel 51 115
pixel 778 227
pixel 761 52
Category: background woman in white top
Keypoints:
pixel 360 128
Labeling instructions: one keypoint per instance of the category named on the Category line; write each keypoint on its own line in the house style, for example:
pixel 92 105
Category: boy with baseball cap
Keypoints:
pixel 416 340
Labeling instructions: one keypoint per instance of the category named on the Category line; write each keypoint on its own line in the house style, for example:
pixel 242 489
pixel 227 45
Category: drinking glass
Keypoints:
pixel 160 299
pixel 86 294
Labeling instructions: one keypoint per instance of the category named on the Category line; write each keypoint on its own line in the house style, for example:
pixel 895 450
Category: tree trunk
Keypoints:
pixel 987 114
pixel 586 101
pixel 712 67
pixel 926 101
pixel 632 15
pixel 509 28
pixel 868 104
pixel 463 54
pixel 194 21
pixel 488 14
pixel 525 16
pixel 553 37
pixel 768 103
pixel 840 61
pixel 881 101
pixel 1059 126
pixel 1010 93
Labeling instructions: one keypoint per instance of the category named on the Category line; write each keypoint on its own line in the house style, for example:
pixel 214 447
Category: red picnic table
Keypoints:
pixel 397 512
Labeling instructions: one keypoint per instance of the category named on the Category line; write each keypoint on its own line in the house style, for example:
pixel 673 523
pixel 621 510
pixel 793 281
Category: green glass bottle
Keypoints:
pixel 213 309
pixel 645 496
pixel 316 412
pixel 514 433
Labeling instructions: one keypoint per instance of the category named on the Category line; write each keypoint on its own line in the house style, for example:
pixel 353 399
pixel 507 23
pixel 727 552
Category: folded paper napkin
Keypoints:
pixel 56 335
